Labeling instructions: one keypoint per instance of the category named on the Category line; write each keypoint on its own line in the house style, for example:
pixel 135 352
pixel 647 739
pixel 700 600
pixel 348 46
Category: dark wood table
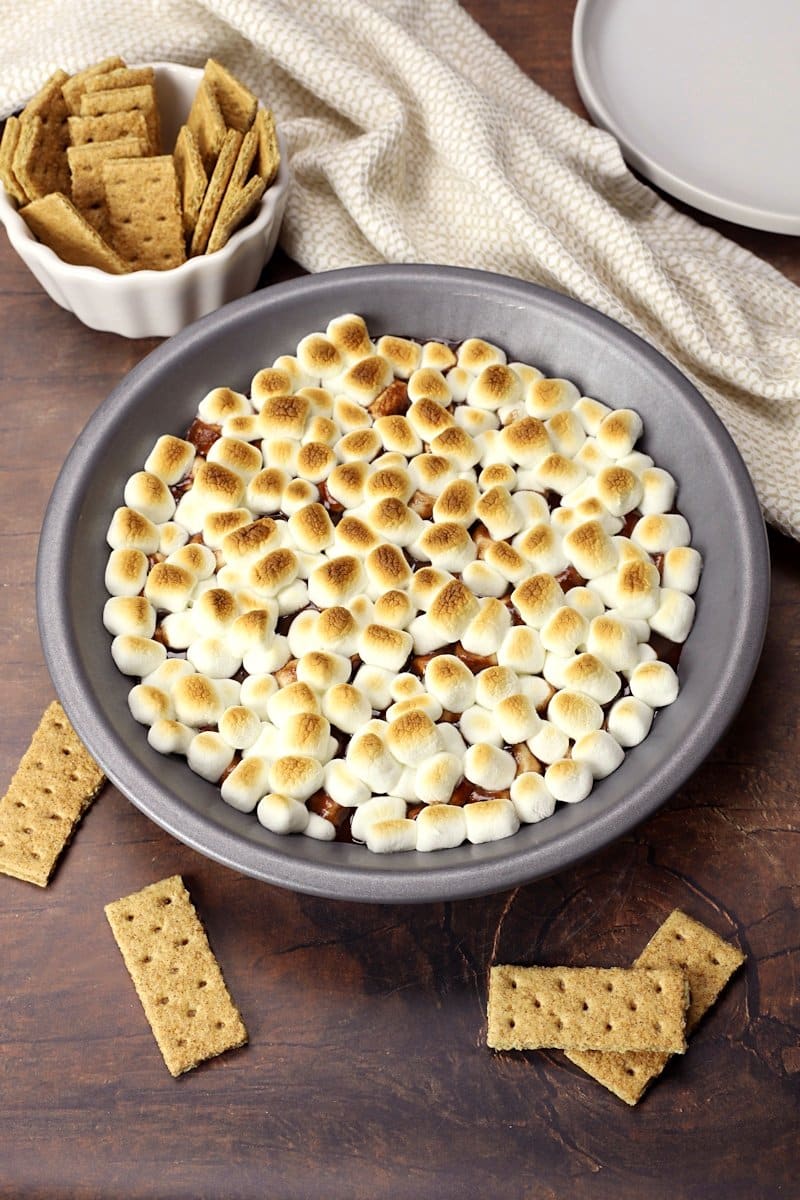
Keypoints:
pixel 367 1073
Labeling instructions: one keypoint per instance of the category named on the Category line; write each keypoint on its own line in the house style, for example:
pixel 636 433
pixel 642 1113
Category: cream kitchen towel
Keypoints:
pixel 414 138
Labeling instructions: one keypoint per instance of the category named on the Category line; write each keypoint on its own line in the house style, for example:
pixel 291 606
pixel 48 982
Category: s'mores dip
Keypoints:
pixel 403 593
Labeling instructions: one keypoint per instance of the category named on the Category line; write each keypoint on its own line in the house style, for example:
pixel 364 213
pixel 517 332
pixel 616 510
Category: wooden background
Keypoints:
pixel 367 1074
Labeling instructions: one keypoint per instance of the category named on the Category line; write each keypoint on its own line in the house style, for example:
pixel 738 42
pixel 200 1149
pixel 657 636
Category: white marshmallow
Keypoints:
pixel 306 734
pixel 566 433
pixel 629 721
pixel 213 656
pixel 412 738
pixel 655 683
pixel 437 777
pixel 517 717
pixel 379 808
pixel 256 691
pixel 322 670
pixel 451 682
pixel 171 537
pixel 284 814
pixel 319 828
pixel 555 668
pixel 674 616
pixel 346 707
pixel 343 786
pixel 149 704
pixel 661 531
pixel 585 601
pixel 296 775
pixel 425 635
pixel 568 781
pixel 564 631
pixel 150 496
pixel 451 739
pixel 613 640
pixel 590 675
pixel 209 755
pixel 370 759
pixel 422 703
pixel 490 820
pixel 536 689
pixel 485 632
pixel 531 798
pixel 440 827
pixel 489 767
pixel 167 674
pixel 549 743
pixel 601 753
pixel 239 726
pixel 521 649
pixel 260 660
pixel 126 572
pixel 129 614
pixel 574 713
pixel 542 548
pixel 382 646
pixel 658 491
pixel 136 655
pixel 592 457
pixel 681 569
pixel 479 725
pixel 246 784
pixel 375 683
pixel 170 737
pixel 590 413
pixel 391 836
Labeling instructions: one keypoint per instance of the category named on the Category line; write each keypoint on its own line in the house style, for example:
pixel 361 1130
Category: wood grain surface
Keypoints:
pixel 367 1073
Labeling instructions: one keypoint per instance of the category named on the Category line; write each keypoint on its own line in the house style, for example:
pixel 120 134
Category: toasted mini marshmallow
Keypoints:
pixel 421 702
pixel 637 462
pixel 546 397
pixel 477 724
pixel 483 580
pixel 220 403
pixel 574 713
pixel 592 457
pixel 655 683
pixel 455 444
pixel 240 726
pixel 265 490
pixel 407 685
pixel 269 656
pixel 452 609
pixel 131 530
pixel 475 353
pixel 498 474
pixel 531 798
pixel 681 569
pixel 427 418
pixel 149 704
pixel 559 474
pixel 397 434
pixel 537 598
pixel 382 646
pixel 319 828
pixel 402 354
pixel 294 698
pixel 451 682
pixel 428 383
pixel 238 456
pixel 555 666
pixel 412 738
pixel 375 683
pixel 564 631
pixel 296 775
pixel 322 670
pixel 590 675
pixel 618 431
pixel 246 428
pixel 424 585
pixel 311 528
pixel 658 491
pixel 171 536
pixel 489 767
pixel 343 786
pixel 362 609
pixel 178 630
pixel 365 379
pixel 485 631
pixel 431 473
pixel 392 521
pixel 490 820
pixel 256 691
pixel 350 416
pixel 269 383
pixel 661 531
pixel 507 561
pixel 306 734
pixel 566 433
pixel 352 536
pixel 284 815
pixel 629 721
pixel 636 590
pixel 542 548
pixel 674 616
pixel 370 759
pixel 590 550
pixel 150 496
pixel 590 413
pixel 216 488
pixel 350 336
pixel 394 608
pixel 360 445
pixel 495 684
pixel 495 386
pixel 389 481
pixel 618 489
pixel 170 737
pixel 549 743
pixel 521 650
pixel 475 421
pixel 133 615
pixel 613 641
pixel 440 827
pixel 497 510
pixel 601 753
pixel 246 784
pixel 170 459
pixel 197 700
pixel 335 630
pixel 273 572
pixel 315 461
pixel 346 707
pixel 447 546
pixel 379 809
pixel 517 717
pixel 253 629
pixel 242 546
pixel 319 357
pixel 336 581
pixel 209 755
pixel 214 612
pixel 213 656
pixel 568 781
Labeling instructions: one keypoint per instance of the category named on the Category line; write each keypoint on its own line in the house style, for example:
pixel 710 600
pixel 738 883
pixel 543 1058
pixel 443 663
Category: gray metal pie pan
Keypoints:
pixel 560 336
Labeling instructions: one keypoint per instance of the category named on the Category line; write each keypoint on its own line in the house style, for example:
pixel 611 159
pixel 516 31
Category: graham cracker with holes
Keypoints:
pixel 107 128
pixel 86 168
pixel 192 177
pixel 234 211
pixel 56 222
pixel 709 962
pixel 237 103
pixel 40 160
pixel 121 77
pixel 54 784
pixel 141 98
pixel 608 1008
pixel 73 88
pixel 8 145
pixel 207 123
pixel 144 212
pixel 215 191
pixel 176 975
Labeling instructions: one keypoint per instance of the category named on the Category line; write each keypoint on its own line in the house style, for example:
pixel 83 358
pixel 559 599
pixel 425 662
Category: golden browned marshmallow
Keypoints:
pixel 197 700
pixel 429 384
pixel 382 646
pixel 216 527
pixel 526 441
pixel 507 561
pixel 129 614
pixel 566 433
pixel 590 550
pixel 427 418
pixel 294 698
pixel 545 397
pixel 361 445
pixel 438 355
pixel 618 489
pixel 588 674
pixel 264 491
pixel 250 541
pixel 170 459
pixel 214 611
pixel 240 457
pixel 337 581
pixel 451 682
pixel 537 598
pixel 559 474
pixel 131 530
pixel 320 669
pixel 269 383
pixel 592 457
pixel 521 650
pixel 169 587
pixel 254 628
pixel 495 684
pixel 496 385
pixel 396 434
pixel 335 630
pixel 425 583
pixel 350 416
pixel 590 413
pixel 457 445
pixel 296 776
pixel 660 532
pixel 354 536
pixel 447 546
pixel 618 431
pixel 393 521
pixel 350 336
pixel 637 589
pixel 498 512
pixel 388 481
pixel 431 473
pixel 216 488
pixel 498 475
pixel 346 708
pixel 297 494
pixel 346 483
pixel 221 403
pixel 284 416
pixel 517 716
pixel 274 571
pixel 246 428
pixel 394 608
pixel 307 734
pixel 485 632
pixel 412 738
pixel 402 354
pixel 474 354
pixel 280 452
pixel 387 568
pixel 311 528
pixel 150 496
pixel 564 631
pixel 319 357
pixel 365 379
pixel 456 502
pixel 452 609
pixel 574 713
pixel 323 430
pixel 315 461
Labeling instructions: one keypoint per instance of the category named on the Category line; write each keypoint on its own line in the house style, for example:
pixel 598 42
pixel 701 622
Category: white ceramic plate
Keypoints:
pixel 703 96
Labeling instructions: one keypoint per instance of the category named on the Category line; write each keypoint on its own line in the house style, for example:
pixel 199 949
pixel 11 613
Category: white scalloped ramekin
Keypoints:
pixel 158 303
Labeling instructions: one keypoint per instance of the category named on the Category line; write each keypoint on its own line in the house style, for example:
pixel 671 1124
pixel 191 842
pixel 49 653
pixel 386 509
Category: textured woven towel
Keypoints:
pixel 414 138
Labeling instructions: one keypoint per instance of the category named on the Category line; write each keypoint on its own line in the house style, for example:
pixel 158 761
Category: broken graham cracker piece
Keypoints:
pixel 207 123
pixel 56 222
pixel 144 213
pixel 192 177
pixel 86 168
pixel 108 127
pixel 54 784
pixel 235 210
pixel 215 191
pixel 73 88
pixel 709 962
pixel 176 975
pixel 128 99
pixel 608 1008
pixel 8 145
pixel 237 103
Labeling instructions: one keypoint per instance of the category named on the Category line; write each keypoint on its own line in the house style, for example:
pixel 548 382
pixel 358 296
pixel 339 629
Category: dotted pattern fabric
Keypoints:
pixel 414 138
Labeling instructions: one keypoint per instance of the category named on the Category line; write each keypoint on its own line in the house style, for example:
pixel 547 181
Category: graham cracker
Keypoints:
pixel 121 77
pixel 215 191
pixel 235 209
pixel 192 177
pixel 48 103
pixel 237 103
pixel 207 123
pixel 176 975
pixel 268 155
pixel 127 99
pixel 709 962
pixel 86 168
pixel 54 784
pixel 107 128
pixel 40 159
pixel 74 87
pixel 8 145
pixel 144 213
pixel 608 1008
pixel 56 222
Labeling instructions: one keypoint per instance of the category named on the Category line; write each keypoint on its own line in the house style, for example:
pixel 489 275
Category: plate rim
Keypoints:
pixel 375 883
pixel 712 203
